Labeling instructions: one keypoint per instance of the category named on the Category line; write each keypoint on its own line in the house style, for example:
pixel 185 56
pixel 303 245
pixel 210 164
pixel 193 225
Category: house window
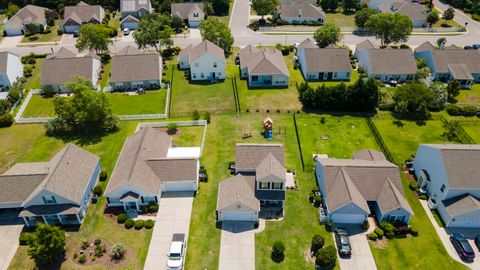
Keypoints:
pixel 277 185
pixel 254 78
pixel 442 189
pixel 148 199
pixel 49 200
pixel 195 15
pixel 264 185
pixel 214 64
pixel 202 75
pixel 196 65
pixel 219 73
pixel 194 75
pixel 348 74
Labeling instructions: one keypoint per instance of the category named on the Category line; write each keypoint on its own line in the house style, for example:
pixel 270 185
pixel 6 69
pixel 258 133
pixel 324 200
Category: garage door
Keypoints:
pixel 179 186
pixel 347 218
pixel 71 28
pixel 465 223
pixel 130 25
pixel 13 32
pixel 238 216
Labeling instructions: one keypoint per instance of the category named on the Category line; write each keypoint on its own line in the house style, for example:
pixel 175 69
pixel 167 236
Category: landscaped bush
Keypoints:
pixel 153 207
pixel 386 227
pixel 139 224
pixel 99 250
pixel 373 236
pixel 85 244
pixel 326 256
pixel 476 17
pixel 118 251
pixel 103 175
pixel 278 250
pixel 149 224
pixel 317 200
pixel 317 243
pixel 422 197
pixel 97 242
pixel 329 226
pixel 455 110
pixel 401 230
pixel 366 224
pixel 97 190
pixel 386 106
pixel 6 120
pixel 122 218
pixel 379 232
pixel 82 259
pixel 129 223
pixel 413 231
pixel 389 235
pixel 24 238
pixel 413 185
pixel 27 71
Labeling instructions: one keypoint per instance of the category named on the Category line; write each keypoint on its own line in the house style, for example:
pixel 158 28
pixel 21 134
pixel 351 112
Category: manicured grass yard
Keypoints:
pixel 470 97
pixel 298 227
pixel 188 96
pixel 106 75
pixel 39 107
pixel 341 19
pixel 189 136
pixel 34 81
pixel 52 36
pixel 473 131
pixel 272 99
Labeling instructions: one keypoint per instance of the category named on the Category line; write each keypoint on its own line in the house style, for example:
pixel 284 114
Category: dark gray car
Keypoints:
pixel 343 244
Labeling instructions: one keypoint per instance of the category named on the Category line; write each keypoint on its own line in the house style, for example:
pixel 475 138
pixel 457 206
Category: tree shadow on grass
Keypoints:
pixel 84 138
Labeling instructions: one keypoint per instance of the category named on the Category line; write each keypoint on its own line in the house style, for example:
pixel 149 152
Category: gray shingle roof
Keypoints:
pixel 30 13
pixel 249 156
pixel 369 154
pixel 461 205
pixel 426 46
pixel 366 44
pixel 263 61
pixel 135 5
pixel 344 191
pixel 327 60
pixel 307 43
pixel 270 168
pixel 174 169
pixel 235 190
pixel 392 61
pixel 184 9
pixel 132 64
pixel 17 188
pixel 414 11
pixel 83 12
pixel 300 9
pixel 443 58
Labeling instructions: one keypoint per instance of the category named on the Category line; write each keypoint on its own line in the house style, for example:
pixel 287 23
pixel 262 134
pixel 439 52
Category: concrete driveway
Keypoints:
pixel 10 229
pixel 10 42
pixel 362 257
pixel 174 212
pixel 445 237
pixel 237 246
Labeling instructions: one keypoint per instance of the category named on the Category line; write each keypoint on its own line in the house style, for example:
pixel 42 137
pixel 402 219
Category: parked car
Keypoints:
pixel 468 48
pixel 462 246
pixel 75 34
pixel 343 244
pixel 476 46
pixel 477 242
pixel 126 31
pixel 177 252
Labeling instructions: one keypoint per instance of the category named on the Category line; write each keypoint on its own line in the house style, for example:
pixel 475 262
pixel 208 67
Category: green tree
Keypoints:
pixel 32 29
pixel 154 31
pixel 453 89
pixel 51 16
pixel 46 244
pixel 93 38
pixel 432 18
pixel 349 5
pixel 328 34
pixel 217 32
pixel 330 5
pixel 326 256
pixel 412 101
pixel 441 41
pixel 317 242
pixel 361 16
pixel 265 7
pixel 86 112
pixel 452 131
pixel 177 24
pixel 448 14
pixel 219 7
pixel 12 9
pixel 390 27
pixel 278 250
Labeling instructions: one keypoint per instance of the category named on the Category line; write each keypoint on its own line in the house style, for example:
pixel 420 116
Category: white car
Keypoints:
pixel 126 31
pixel 177 252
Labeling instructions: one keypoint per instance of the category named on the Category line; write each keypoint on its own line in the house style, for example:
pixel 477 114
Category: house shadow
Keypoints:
pixel 469 233
pixel 237 226
pixel 178 194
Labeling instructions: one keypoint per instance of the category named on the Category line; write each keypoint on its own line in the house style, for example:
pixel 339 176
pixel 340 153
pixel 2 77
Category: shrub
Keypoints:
pixel 414 231
pixel 386 106
pixel 122 218
pixel 404 46
pixel 27 71
pixel 389 235
pixel 207 117
pixel 105 58
pixel 82 259
pixel 196 115
pixel 329 226
pixel 75 255
pixel 422 197
pixel 386 226
pixel 366 224
pixel 373 236
pixel 326 256
pixel 97 242
pixel 24 238
pixel 6 120
pixel 139 224
pixel 379 232
pixel 129 223
pixel 413 185
pixel 99 250
pixel 317 243
pixel 153 208
pixel 455 110
pixel 277 251
pixel 85 244
pixel 103 175
pixel 149 224
pixel 97 190
pixel 118 251
pixel 172 128
pixel 476 17
pixel 59 32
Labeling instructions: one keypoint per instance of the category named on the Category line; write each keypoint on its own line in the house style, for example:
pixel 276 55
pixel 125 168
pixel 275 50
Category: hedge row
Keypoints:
pixel 456 110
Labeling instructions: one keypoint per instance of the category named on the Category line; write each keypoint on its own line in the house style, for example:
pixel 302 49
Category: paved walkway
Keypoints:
pixel 174 212
pixel 9 232
pixel 442 233
pixel 237 246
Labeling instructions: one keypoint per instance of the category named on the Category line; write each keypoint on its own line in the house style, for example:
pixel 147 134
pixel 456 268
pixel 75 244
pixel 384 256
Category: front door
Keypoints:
pixel 320 76
pixel 213 75
pixel 330 76
pixel 131 206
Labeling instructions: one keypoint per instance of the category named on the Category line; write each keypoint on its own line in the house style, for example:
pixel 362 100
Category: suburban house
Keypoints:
pixel 133 69
pixel 53 192
pixel 375 3
pixel 132 11
pixel 450 175
pixel 75 16
pixel 258 184
pixel 301 11
pixel 149 165
pixel 415 11
pixel 451 63
pixel 64 65
pixel 388 64
pixel 29 14
pixel 325 64
pixel 11 69
pixel 366 44
pixel 192 13
pixel 206 61
pixel 263 67
pixel 352 189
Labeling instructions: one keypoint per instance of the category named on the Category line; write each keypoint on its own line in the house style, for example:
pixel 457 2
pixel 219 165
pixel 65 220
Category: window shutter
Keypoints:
pixel 44 200
pixel 156 199
pixel 53 199
pixel 108 200
pixel 141 198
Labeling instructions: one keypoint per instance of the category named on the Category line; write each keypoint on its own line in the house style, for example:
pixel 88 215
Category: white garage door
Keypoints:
pixel 13 32
pixel 238 216
pixel 179 186
pixel 130 25
pixel 71 28
pixel 465 223
pixel 347 218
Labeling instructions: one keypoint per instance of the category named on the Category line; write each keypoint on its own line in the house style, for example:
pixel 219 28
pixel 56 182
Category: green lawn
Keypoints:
pixel 39 107
pixel 106 75
pixel 445 23
pixel 470 96
pixel 341 19
pixel 188 96
pixel 34 81
pixel 346 134
pixel 190 136
pixel 50 37
pixel 298 227
pixel 272 99
pixel 473 131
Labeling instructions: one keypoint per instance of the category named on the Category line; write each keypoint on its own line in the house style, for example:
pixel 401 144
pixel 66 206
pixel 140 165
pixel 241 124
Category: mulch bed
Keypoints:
pixel 103 260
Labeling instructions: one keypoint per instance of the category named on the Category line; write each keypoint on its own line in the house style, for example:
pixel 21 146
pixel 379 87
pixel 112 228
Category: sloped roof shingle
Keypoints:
pixel 132 64
pixel 300 9
pixel 263 61
pixel 184 9
pixel 327 60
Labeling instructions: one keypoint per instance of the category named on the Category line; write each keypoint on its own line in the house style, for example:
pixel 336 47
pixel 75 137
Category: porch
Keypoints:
pixel 51 214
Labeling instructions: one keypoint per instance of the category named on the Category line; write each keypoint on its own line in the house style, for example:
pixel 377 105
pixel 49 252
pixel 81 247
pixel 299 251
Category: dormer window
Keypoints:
pixel 195 15
pixel 277 185
pixel 49 200
pixel 264 185
pixel 214 64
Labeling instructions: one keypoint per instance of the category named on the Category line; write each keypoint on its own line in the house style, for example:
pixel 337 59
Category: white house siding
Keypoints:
pixel 469 220
pixel 205 65
pixel 388 77
pixel 419 23
pixel 336 76
pixel 292 20
pixel 374 3
pixel 87 194
pixel 14 68
pixel 264 80
pixel 95 71
pixel 114 196
pixel 183 62
pixel 194 21
pixel 134 84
